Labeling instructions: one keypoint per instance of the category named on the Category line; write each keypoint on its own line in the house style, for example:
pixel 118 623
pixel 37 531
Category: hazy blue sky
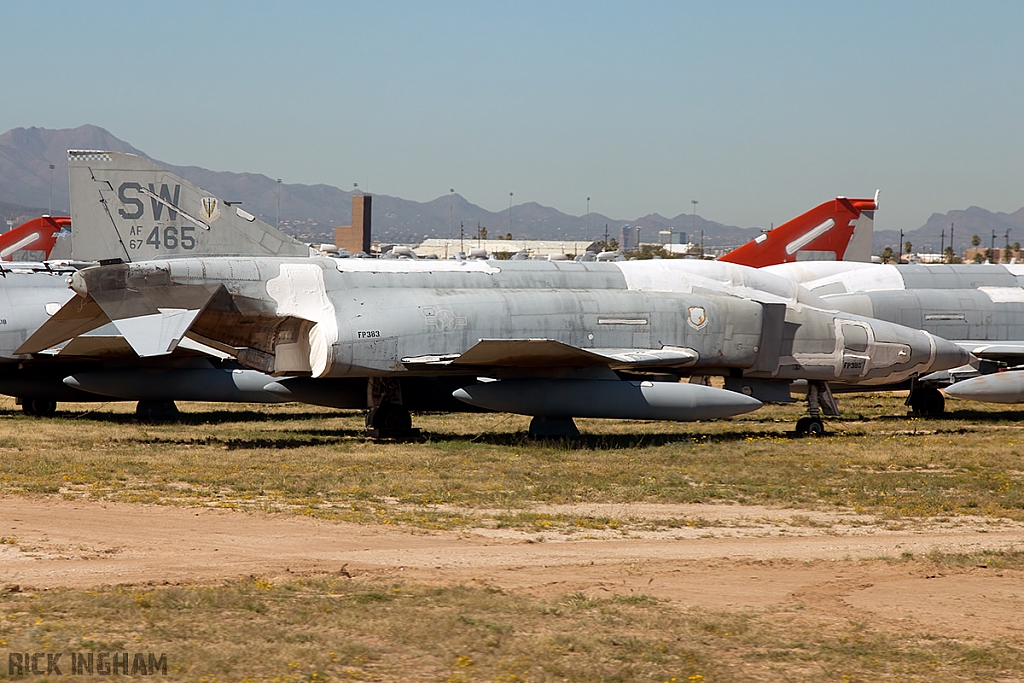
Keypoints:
pixel 758 110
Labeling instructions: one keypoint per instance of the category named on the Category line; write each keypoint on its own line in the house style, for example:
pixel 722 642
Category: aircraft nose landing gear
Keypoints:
pixel 818 396
pixel 810 426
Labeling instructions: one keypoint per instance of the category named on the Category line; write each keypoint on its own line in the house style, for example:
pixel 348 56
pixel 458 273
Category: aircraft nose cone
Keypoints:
pixel 947 355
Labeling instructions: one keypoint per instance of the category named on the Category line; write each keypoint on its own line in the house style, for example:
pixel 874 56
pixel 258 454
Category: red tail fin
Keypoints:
pixel 38 234
pixel 838 230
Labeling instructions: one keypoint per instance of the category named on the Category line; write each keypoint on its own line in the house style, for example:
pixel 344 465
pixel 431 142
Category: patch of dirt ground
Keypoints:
pixel 851 571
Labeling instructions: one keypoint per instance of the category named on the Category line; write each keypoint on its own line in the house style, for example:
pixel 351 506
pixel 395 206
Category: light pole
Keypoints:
pixel 51 191
pixel 451 209
pixel 278 203
pixel 510 213
pixel 586 235
pixel 693 230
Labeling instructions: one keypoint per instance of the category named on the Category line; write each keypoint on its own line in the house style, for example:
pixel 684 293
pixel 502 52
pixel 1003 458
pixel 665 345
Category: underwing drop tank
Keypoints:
pixel 1001 387
pixel 616 399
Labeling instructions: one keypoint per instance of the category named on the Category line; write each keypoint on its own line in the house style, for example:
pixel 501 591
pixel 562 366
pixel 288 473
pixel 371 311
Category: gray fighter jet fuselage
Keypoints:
pixel 503 335
pixel 531 322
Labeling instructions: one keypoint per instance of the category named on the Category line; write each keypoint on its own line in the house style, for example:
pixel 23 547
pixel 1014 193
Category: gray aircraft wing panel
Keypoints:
pixel 527 353
pixel 549 353
pixel 667 357
pixel 1008 351
pixel 74 318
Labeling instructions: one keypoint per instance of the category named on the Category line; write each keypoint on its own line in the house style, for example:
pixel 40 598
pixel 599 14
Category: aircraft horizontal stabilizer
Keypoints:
pixel 74 318
pixel 157 334
pixel 152 320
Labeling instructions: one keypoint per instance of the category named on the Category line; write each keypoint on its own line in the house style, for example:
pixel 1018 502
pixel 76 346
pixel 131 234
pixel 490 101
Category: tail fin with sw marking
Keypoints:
pixel 126 207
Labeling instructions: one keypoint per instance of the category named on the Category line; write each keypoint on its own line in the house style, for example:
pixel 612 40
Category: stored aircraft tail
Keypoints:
pixel 126 207
pixel 36 236
pixel 838 230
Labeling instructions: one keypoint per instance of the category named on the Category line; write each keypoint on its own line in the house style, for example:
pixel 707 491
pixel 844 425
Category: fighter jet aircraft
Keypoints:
pixel 554 340
pixel 978 306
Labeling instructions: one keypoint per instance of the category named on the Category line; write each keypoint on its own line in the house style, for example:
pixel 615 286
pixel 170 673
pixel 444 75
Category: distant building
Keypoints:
pixel 356 237
pixel 627 238
pixel 997 255
pixel 447 248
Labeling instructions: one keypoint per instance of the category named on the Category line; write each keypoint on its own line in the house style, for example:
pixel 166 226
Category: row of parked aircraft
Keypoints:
pixel 166 293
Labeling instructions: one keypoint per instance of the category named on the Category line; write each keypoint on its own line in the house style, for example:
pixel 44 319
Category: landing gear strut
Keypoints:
pixel 819 396
pixel 387 418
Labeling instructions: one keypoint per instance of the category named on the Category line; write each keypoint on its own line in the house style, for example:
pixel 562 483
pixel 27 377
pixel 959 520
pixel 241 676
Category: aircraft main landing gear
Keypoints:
pixel 38 407
pixel 925 401
pixel 387 418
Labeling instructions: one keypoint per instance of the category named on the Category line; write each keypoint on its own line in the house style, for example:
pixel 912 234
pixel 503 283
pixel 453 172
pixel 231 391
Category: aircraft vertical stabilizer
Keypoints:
pixel 124 206
pixel 838 230
pixel 35 238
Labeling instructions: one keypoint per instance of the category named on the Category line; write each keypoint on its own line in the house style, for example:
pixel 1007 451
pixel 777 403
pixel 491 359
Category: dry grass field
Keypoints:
pixel 677 487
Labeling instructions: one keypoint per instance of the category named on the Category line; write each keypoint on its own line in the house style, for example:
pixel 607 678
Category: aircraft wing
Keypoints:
pixel 548 353
pixel 1011 352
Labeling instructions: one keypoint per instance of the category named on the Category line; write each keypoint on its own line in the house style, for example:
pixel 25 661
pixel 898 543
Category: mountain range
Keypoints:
pixel 29 187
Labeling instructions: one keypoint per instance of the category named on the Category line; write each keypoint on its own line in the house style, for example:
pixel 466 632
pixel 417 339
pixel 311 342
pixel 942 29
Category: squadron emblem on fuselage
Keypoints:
pixel 210 208
pixel 696 316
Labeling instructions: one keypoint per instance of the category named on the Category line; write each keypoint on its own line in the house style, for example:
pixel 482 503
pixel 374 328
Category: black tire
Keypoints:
pixel 928 402
pixel 815 427
pixel 389 417
pixel 39 407
pixel 801 425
